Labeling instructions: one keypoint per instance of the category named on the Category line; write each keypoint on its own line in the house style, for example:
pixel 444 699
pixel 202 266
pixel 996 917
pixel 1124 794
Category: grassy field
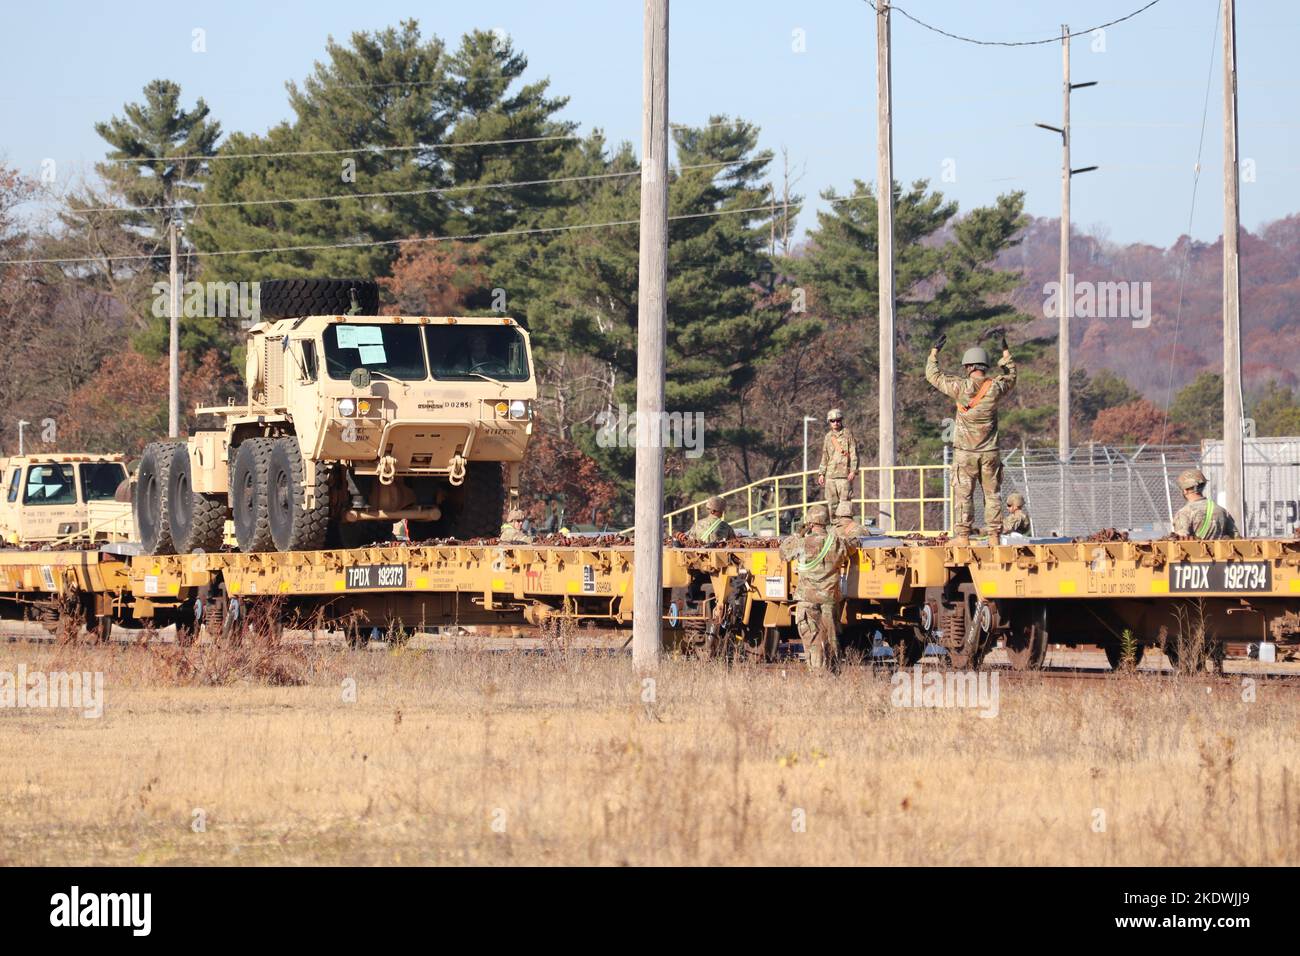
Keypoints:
pixel 403 756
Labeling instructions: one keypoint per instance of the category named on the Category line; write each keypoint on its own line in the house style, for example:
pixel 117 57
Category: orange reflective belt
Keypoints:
pixel 975 399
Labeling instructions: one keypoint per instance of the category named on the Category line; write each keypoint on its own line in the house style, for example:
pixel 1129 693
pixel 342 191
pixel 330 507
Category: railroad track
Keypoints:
pixel 612 641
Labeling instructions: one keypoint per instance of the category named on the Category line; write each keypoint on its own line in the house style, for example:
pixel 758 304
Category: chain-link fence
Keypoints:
pixel 1099 487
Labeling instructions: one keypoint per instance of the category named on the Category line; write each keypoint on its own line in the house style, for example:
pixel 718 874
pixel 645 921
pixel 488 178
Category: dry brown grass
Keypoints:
pixel 561 754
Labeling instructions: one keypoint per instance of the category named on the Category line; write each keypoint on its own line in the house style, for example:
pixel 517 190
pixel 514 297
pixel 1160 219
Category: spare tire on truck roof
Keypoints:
pixel 293 298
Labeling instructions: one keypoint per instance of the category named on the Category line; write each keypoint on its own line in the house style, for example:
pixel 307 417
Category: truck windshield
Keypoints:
pixel 464 352
pixel 50 485
pixel 99 480
pixel 393 350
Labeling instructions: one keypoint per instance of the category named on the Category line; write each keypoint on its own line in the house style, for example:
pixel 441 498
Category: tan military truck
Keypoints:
pixel 62 497
pixel 354 421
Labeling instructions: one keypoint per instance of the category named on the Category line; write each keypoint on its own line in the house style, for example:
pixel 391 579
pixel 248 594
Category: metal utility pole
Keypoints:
pixel 1233 460
pixel 652 313
pixel 885 264
pixel 1064 302
pixel 174 360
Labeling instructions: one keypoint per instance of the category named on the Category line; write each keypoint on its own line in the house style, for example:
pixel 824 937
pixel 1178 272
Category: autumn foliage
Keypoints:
pixel 557 468
pixel 123 406
pixel 435 278
pixel 1137 423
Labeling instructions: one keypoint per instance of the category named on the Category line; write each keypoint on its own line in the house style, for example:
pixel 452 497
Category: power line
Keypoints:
pixel 373 243
pixel 407 192
pixel 1054 39
pixel 341 152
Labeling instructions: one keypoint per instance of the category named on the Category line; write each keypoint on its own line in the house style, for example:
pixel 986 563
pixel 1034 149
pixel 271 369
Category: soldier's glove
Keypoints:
pixel 940 342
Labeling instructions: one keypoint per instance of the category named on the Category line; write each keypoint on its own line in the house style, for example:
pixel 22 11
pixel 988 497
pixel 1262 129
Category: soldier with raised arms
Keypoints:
pixel 975 434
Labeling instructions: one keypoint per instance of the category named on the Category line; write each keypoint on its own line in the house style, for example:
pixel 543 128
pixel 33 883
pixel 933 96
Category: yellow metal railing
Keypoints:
pixel 899 500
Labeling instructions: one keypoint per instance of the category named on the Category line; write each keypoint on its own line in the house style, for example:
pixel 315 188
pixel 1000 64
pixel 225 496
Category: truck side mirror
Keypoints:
pixel 360 378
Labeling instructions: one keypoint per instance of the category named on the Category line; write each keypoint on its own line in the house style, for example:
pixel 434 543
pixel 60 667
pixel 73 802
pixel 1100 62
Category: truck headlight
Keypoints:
pixel 518 409
pixel 347 407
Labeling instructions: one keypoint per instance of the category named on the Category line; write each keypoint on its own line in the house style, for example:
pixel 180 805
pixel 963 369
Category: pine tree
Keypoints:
pixel 724 317
pixel 158 160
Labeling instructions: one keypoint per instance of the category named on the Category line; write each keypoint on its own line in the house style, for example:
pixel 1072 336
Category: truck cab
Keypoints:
pixel 51 497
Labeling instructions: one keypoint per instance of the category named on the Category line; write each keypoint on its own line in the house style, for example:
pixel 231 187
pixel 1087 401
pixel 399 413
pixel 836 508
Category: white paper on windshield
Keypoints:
pixel 354 336
pixel 372 354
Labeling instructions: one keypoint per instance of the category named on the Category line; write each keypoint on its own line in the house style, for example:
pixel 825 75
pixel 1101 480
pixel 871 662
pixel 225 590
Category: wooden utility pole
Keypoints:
pixel 173 352
pixel 1233 459
pixel 1064 304
pixel 1065 295
pixel 647 586
pixel 885 263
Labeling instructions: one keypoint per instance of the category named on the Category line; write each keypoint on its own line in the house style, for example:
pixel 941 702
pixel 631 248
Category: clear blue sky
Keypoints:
pixel 69 64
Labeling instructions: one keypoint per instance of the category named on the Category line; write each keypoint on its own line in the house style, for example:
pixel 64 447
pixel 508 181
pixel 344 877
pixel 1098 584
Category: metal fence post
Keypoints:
pixel 947 488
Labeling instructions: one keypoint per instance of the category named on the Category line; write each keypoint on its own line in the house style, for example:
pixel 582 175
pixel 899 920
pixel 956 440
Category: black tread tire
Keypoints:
pixel 151 511
pixel 249 500
pixel 477 506
pixel 293 298
pixel 294 527
pixel 197 521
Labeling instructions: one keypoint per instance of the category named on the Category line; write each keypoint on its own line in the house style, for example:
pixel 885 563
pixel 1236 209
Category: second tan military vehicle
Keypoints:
pixel 353 421
pixel 62 498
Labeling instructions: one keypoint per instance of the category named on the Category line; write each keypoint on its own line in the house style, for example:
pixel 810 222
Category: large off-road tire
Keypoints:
pixel 292 298
pixel 477 504
pixel 294 526
pixel 198 521
pixel 152 489
pixel 249 501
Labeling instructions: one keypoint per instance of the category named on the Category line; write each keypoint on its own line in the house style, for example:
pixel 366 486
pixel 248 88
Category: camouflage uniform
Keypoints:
pixel 818 558
pixel 846 526
pixel 512 535
pixel 1200 517
pixel 839 465
pixel 1016 522
pixel 975 442
pixel 711 528
pixel 1204 519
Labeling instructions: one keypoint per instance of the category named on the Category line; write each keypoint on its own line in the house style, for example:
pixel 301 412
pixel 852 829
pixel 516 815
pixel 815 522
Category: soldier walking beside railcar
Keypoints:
pixel 839 460
pixel 975 436
pixel 818 555
pixel 1200 517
